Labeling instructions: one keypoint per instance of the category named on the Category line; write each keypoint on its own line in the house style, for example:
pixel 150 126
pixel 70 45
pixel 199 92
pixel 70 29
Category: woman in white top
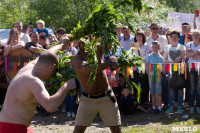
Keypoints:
pixel 13 42
pixel 142 49
pixel 174 53
pixel 193 53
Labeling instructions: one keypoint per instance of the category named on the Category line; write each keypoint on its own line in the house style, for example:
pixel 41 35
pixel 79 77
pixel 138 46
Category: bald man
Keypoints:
pixel 27 90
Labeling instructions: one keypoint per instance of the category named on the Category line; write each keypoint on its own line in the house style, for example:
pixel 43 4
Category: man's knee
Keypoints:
pixel 79 129
pixel 115 129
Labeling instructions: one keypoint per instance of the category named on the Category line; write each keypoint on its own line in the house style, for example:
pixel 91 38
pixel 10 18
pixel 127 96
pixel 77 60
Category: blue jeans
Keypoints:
pixel 194 88
pixel 155 87
pixel 69 103
pixel 172 95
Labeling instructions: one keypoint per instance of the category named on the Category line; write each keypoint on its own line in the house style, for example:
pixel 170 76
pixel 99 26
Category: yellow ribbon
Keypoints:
pixel 143 68
pixel 182 68
pixel 175 67
pixel 161 67
pixel 131 72
pixel 158 69
pixel 150 74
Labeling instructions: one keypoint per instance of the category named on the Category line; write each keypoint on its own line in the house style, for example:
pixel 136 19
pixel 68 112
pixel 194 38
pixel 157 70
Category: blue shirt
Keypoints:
pixel 44 30
pixel 154 59
pixel 125 44
pixel 117 53
pixel 181 39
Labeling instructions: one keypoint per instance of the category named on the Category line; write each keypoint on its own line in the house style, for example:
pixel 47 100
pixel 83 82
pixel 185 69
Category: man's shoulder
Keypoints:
pixel 150 55
pixel 161 38
pixel 159 55
pixel 29 44
pixel 132 37
pixel 38 45
pixel 149 38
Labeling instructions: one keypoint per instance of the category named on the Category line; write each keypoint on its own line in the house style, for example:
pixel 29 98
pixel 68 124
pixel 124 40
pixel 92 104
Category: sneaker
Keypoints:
pixel 73 115
pixel 169 110
pixel 68 114
pixel 157 111
pixel 151 111
pixel 180 110
pixel 197 109
pixel 191 110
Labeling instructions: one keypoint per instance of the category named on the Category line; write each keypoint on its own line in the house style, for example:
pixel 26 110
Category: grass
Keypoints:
pixel 166 126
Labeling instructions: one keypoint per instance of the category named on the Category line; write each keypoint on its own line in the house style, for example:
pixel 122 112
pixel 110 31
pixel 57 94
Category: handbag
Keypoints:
pixel 177 81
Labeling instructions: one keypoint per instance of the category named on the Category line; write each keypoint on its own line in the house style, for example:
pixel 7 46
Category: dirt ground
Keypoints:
pixel 58 122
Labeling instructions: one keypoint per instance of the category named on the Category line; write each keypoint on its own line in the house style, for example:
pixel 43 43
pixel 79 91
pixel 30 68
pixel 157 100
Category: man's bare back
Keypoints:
pixel 21 107
pixel 27 89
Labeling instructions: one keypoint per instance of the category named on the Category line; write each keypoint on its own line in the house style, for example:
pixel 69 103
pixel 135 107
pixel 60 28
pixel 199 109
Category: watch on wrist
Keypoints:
pixel 110 63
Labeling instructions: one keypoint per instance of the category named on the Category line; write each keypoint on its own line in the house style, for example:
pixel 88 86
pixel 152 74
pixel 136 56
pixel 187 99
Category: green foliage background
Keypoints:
pixel 67 13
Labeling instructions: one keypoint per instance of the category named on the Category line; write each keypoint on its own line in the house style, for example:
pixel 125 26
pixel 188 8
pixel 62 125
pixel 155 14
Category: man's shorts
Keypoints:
pixel 89 108
pixel 155 87
pixel 14 128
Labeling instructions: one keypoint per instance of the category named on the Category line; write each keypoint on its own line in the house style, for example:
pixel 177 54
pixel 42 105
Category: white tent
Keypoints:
pixel 175 20
pixel 4 34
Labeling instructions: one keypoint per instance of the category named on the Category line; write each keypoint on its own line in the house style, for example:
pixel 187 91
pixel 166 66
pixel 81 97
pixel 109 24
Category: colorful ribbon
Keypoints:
pixel 182 68
pixel 154 72
pixel 143 68
pixel 22 64
pixel 10 66
pixel 158 69
pixel 6 63
pixel 15 66
pixel 175 67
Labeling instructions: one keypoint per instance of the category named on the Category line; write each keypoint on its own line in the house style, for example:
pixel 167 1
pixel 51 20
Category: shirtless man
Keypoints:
pixel 26 90
pixel 96 98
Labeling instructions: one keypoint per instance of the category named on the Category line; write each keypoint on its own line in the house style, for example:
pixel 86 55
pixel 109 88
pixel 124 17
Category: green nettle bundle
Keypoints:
pixel 129 59
pixel 102 23
pixel 64 72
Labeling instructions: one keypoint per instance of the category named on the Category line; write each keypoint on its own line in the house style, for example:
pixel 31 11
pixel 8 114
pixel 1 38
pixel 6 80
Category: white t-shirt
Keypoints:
pixel 24 37
pixel 162 40
pixel 193 48
pixel 174 52
pixel 144 51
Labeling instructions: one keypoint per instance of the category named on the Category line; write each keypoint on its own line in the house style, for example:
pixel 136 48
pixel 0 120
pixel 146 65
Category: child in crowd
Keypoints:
pixel 42 31
pixel 43 42
pixel 127 103
pixel 155 87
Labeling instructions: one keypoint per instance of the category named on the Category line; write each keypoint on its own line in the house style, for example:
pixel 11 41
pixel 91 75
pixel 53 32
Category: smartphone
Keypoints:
pixel 197 12
pixel 30 23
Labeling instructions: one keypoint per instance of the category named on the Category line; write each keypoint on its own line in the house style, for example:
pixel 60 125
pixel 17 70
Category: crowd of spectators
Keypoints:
pixel 155 44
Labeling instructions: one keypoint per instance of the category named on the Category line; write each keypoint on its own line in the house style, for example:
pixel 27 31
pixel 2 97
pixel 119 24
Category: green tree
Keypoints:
pixel 152 11
pixel 63 13
pixel 15 10
pixel 184 6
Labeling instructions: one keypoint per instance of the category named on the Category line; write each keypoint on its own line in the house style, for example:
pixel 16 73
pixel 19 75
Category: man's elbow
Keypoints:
pixel 50 109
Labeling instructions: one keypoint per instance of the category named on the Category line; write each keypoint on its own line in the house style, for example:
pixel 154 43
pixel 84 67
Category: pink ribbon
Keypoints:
pixel 6 65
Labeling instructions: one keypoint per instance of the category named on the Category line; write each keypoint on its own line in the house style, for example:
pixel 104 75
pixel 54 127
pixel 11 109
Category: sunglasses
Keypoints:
pixel 155 28
pixel 168 34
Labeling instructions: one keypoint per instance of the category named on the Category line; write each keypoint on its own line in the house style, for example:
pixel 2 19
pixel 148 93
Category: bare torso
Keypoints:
pixel 101 82
pixel 19 105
